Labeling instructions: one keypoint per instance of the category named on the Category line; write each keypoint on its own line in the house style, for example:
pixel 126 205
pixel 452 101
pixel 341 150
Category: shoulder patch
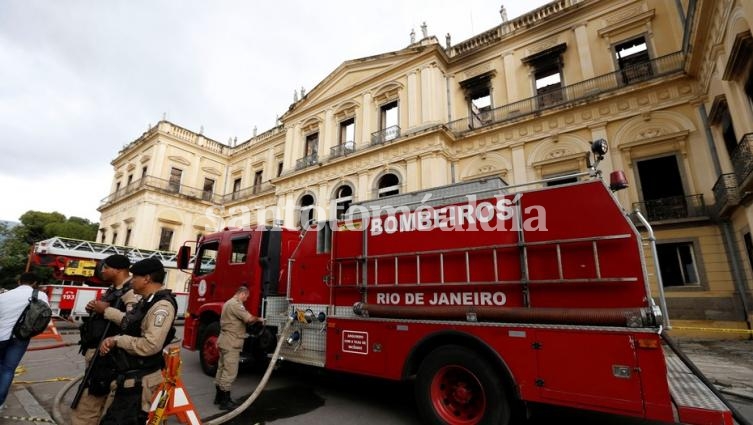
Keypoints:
pixel 159 317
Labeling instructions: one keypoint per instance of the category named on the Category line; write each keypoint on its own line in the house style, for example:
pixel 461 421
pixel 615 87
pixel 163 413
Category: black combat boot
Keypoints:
pixel 226 403
pixel 217 395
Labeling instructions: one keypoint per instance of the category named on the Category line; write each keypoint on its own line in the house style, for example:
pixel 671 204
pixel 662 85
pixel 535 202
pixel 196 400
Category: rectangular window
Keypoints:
pixel 312 145
pixel 728 129
pixel 206 259
pixel 175 176
pixel 102 235
pixel 633 60
pixel 165 239
pixel 348 134
pixel 662 190
pixel 389 128
pixel 749 248
pixel 677 264
pixel 130 179
pixel 279 169
pixel 548 85
pixel 117 186
pixel 236 187
pixel 239 250
pixel 257 181
pixel 208 189
pixel 128 237
pixel 114 238
pixel 143 172
pixel 389 115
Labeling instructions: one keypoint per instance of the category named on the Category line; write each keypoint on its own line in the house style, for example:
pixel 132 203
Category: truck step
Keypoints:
pixel 306 357
pixel 696 403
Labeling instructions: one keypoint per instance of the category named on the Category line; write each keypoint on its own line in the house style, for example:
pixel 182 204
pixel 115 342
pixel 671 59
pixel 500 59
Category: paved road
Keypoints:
pixel 304 395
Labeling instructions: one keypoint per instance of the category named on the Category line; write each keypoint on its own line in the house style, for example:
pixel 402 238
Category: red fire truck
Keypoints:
pixel 488 301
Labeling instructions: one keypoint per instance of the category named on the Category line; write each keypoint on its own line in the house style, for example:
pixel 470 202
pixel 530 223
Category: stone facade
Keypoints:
pixel 667 84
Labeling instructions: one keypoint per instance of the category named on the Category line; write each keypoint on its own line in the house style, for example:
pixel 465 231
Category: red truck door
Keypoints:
pixel 596 370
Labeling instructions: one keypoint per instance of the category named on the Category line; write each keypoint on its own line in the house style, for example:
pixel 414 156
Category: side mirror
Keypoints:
pixel 184 255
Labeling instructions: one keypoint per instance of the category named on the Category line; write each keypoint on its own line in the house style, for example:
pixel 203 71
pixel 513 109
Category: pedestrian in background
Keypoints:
pixel 137 353
pixel 233 323
pixel 12 349
pixel 119 295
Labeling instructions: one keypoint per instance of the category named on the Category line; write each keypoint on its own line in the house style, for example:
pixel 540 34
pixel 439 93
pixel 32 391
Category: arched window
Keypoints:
pixel 389 184
pixel 306 208
pixel 343 199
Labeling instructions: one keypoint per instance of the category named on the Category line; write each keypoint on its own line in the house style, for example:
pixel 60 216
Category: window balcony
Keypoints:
pixel 306 161
pixel 164 186
pixel 342 150
pixel 386 135
pixel 726 194
pixel 559 96
pixel 248 192
pixel 673 208
pixel 742 161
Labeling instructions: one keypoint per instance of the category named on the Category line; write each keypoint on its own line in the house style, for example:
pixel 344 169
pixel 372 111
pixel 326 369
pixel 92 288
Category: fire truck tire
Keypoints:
pixel 456 386
pixel 209 354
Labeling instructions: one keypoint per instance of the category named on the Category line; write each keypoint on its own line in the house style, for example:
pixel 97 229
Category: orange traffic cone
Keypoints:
pixel 50 333
pixel 171 397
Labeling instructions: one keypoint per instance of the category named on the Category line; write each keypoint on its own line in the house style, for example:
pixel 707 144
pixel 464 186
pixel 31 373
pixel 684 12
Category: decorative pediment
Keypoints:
pixel 355 72
pixel 387 92
pixel 179 159
pixel 130 166
pixel 345 110
pixel 145 158
pixel 211 170
pixel 627 20
pixel 310 126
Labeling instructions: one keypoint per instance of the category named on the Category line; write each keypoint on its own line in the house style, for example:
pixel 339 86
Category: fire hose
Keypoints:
pixel 60 419
pixel 263 383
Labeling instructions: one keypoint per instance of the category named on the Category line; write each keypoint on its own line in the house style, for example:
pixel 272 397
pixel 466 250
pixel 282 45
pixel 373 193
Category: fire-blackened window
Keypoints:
pixel 478 94
pixel 547 73
pixel 165 239
pixel 633 60
pixel 677 264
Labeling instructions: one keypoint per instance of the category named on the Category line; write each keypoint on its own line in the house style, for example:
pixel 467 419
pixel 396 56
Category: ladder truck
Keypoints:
pixel 76 263
pixel 486 301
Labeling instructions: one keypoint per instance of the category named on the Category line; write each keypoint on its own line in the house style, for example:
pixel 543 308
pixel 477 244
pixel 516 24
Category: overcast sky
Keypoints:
pixel 81 79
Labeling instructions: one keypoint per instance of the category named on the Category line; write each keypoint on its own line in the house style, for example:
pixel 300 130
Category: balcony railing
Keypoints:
pixel 163 186
pixel 742 160
pixel 556 96
pixel 166 186
pixel 248 192
pixel 385 135
pixel 673 208
pixel 342 149
pixel 306 161
pixel 726 193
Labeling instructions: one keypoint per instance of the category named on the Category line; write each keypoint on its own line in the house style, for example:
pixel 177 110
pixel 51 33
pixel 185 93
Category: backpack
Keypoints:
pixel 34 319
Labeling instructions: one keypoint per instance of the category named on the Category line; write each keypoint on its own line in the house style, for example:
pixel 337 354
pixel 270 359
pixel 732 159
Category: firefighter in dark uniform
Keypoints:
pixel 137 353
pixel 114 269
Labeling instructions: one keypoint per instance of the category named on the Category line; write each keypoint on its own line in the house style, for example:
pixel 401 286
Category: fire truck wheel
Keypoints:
pixel 456 386
pixel 209 354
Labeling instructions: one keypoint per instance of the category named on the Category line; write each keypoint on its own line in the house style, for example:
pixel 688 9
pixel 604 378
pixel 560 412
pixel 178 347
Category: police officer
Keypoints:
pixel 233 323
pixel 121 297
pixel 137 353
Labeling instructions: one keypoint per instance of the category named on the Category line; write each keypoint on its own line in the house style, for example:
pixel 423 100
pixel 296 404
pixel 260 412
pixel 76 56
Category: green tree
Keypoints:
pixel 16 242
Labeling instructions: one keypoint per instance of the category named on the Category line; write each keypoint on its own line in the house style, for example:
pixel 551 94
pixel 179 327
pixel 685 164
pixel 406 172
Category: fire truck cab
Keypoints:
pixel 487 300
